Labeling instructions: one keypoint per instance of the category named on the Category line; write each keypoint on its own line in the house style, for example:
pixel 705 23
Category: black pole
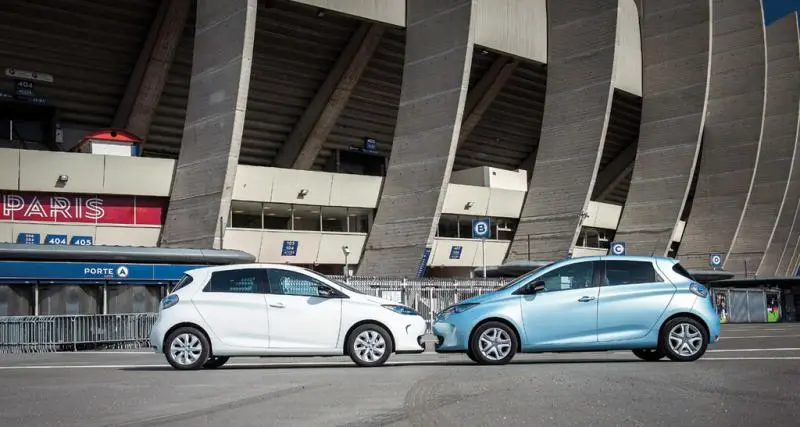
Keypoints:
pixel 529 247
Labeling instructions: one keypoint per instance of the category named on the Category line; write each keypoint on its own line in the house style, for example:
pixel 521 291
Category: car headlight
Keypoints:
pixel 169 301
pixel 458 308
pixel 401 309
pixel 698 290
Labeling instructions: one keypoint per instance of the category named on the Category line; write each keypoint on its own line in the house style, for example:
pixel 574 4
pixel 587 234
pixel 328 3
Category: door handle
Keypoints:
pixel 586 299
pixel 277 305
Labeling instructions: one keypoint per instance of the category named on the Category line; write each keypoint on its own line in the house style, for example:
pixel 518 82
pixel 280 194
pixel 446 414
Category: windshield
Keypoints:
pixel 339 282
pixel 523 278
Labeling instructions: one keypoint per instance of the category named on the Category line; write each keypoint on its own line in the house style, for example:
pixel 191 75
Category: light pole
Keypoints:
pixel 346 252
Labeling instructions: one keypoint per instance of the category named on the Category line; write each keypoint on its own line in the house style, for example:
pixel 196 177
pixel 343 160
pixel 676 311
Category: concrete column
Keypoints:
pixel 775 161
pixel 676 37
pixel 732 132
pixel 206 167
pixel 438 58
pixel 580 76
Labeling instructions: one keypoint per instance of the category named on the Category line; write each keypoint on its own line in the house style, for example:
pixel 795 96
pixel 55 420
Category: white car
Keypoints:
pixel 216 313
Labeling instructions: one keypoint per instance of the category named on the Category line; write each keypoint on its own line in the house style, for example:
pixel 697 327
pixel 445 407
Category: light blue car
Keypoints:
pixel 650 305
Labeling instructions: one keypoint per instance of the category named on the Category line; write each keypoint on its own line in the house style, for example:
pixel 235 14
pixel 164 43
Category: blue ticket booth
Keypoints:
pixel 50 280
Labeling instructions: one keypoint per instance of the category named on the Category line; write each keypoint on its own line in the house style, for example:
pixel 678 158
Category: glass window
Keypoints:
pixel 448 226
pixel 285 282
pixel 504 228
pixel 307 218
pixel 185 280
pixel 465 227
pixel 334 219
pixel 678 268
pixel 246 215
pixel 359 220
pixel 245 281
pixel 277 216
pixel 629 273
pixel 573 276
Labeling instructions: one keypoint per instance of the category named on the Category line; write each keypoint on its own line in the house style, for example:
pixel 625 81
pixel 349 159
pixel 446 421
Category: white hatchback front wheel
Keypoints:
pixel 369 345
pixel 186 348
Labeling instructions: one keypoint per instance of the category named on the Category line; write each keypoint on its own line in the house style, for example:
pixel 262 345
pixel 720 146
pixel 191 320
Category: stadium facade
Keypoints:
pixel 380 134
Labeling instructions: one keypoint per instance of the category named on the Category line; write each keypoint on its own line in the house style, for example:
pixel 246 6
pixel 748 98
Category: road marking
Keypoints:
pixel 753 358
pixel 753 349
pixel 726 337
pixel 264 365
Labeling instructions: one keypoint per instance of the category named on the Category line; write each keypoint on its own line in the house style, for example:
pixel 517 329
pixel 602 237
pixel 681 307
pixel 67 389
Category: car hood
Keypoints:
pixel 479 298
pixel 373 299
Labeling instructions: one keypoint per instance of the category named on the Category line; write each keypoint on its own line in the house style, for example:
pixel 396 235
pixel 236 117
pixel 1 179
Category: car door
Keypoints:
pixel 234 306
pixel 564 314
pixel 300 318
pixel 633 296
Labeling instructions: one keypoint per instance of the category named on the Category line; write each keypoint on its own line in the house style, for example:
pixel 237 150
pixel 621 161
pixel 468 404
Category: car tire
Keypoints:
pixel 471 356
pixel 186 348
pixel 683 339
pixel 493 343
pixel 215 362
pixel 649 354
pixel 369 345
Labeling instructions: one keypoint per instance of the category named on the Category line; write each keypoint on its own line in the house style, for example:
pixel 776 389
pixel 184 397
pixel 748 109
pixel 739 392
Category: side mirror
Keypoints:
pixel 536 286
pixel 326 292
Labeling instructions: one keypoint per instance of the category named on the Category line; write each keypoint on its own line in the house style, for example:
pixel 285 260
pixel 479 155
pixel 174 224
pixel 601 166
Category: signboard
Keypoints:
pixel 715 260
pixel 84 209
pixel 289 248
pixel 81 241
pixel 28 238
pixel 455 252
pixel 423 263
pixel 370 145
pixel 97 271
pixel 55 239
pixel 481 228
pixel 618 248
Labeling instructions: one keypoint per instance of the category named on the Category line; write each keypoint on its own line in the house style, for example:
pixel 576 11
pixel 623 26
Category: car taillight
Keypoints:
pixel 698 290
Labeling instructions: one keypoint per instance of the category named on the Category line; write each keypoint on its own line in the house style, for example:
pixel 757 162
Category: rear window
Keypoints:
pixel 183 282
pixel 678 268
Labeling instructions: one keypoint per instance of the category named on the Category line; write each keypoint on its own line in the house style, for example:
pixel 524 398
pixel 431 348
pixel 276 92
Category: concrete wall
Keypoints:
pixel 38 171
pixel 628 53
pixel 212 135
pixel 732 133
pixel 675 59
pixel 388 11
pixel 471 252
pixel 312 247
pixel 580 79
pixel 777 149
pixel 435 78
pixel 102 234
pixel 516 27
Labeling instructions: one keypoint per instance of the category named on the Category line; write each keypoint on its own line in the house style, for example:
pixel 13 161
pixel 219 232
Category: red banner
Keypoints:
pixel 82 208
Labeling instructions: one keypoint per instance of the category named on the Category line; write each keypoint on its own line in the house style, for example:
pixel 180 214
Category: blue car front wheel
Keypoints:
pixel 493 343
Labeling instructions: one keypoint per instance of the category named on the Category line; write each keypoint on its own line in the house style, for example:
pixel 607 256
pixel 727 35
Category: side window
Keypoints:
pixel 285 282
pixel 247 281
pixel 185 280
pixel 573 276
pixel 630 273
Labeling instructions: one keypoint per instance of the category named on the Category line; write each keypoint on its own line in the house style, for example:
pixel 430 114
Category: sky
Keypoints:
pixel 777 9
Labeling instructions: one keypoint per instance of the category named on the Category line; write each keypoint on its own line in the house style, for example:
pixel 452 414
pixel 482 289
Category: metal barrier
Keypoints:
pixel 25 334
pixel 22 334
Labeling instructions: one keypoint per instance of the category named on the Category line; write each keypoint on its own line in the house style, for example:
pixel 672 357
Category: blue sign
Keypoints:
pixel 370 145
pixel 715 260
pixel 289 248
pixel 618 248
pixel 423 263
pixel 81 241
pixel 481 228
pixel 28 238
pixel 455 252
pixel 55 239
pixel 80 270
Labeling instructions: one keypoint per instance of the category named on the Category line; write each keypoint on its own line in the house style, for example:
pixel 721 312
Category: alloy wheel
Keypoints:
pixel 495 344
pixel 685 339
pixel 186 349
pixel 370 346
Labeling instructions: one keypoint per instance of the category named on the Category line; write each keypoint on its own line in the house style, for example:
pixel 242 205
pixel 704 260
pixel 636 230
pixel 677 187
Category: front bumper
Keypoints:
pixel 450 338
pixel 409 339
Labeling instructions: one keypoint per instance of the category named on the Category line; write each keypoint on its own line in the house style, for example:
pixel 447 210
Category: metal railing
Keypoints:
pixel 22 334
pixel 26 334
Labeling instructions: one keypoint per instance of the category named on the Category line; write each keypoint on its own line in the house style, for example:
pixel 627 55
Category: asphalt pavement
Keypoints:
pixel 750 378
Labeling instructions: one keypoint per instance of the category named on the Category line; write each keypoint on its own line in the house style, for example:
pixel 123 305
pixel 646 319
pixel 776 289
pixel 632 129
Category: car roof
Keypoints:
pixel 213 269
pixel 624 258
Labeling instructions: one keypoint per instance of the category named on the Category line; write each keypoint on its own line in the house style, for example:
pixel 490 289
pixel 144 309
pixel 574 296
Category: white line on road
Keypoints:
pixel 753 358
pixel 753 349
pixel 726 337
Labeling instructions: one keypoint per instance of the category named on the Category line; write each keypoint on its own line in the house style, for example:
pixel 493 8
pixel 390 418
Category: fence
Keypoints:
pixel 22 334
